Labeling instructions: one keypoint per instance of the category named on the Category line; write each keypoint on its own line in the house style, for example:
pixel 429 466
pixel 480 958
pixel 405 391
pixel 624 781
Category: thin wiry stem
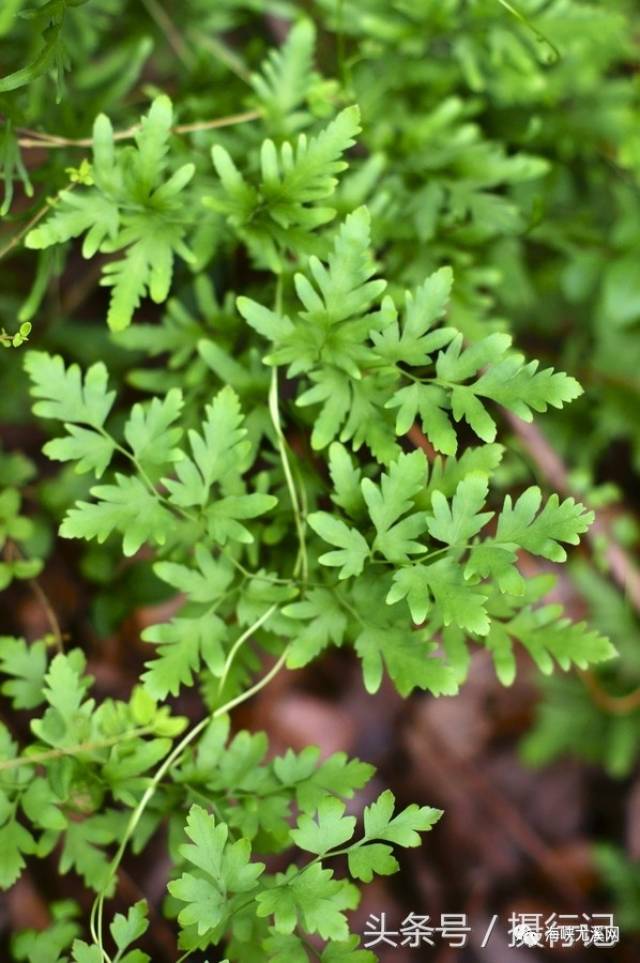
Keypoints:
pixel 43 599
pixel 49 611
pixel 237 645
pixel 97 910
pixel 53 141
pixel 537 33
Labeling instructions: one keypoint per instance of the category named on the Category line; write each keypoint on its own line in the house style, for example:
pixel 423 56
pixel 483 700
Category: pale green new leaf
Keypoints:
pixel 406 659
pixel 393 499
pixel 225 514
pixel 15 843
pixel 130 209
pixel 430 403
pixel 312 779
pixel 457 523
pixel 506 379
pixel 77 401
pixel 26 666
pixel 183 645
pixel 149 161
pixel 541 534
pixel 491 560
pixel 413 341
pixel 150 242
pixel 84 851
pixel 346 951
pixel 75 214
pixel 286 74
pixel 219 870
pixel 548 636
pixel 282 210
pixel 352 548
pixel 329 830
pixel 369 857
pixel 346 480
pixel 376 859
pixel 151 432
pixel 127 507
pixel 125 930
pixel 64 394
pixel 294 176
pixel 440 584
pixel 521 387
pixel 404 828
pixel 332 391
pixel 447 473
pixel 325 623
pixel 218 453
pixel 337 297
pixel 456 364
pixel 91 450
pixel 205 582
pixel 84 953
pixel 68 716
pixel 312 898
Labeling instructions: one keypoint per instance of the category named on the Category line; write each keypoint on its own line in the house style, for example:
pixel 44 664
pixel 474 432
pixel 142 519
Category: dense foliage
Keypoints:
pixel 378 235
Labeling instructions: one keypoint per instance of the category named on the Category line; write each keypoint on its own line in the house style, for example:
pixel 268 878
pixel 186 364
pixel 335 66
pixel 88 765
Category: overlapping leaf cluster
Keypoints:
pixel 78 782
pixel 85 749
